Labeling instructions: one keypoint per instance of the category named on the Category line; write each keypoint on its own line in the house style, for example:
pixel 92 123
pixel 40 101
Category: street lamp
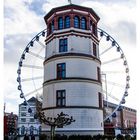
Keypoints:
pixel 60 121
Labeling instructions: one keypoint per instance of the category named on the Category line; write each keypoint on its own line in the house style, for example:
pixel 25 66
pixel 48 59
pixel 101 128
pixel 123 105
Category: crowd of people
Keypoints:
pixel 27 137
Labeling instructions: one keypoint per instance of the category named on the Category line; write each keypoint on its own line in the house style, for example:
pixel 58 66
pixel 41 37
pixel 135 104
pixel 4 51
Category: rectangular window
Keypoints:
pixel 94 29
pixel 100 100
pixel 94 49
pixel 31 119
pixel 23 119
pixel 60 98
pixel 23 108
pixel 63 45
pixel 23 113
pixel 98 74
pixel 61 70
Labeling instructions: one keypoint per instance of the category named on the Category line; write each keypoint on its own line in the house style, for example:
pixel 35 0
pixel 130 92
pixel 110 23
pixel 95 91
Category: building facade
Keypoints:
pixel 124 119
pixel 72 81
pixel 26 121
pixel 10 124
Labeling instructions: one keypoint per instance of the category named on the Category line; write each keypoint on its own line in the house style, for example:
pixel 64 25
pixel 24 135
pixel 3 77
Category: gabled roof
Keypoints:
pixel 32 99
pixel 66 7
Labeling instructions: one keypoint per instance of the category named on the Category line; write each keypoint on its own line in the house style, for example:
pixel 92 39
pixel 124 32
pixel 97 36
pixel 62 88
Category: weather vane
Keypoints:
pixel 70 1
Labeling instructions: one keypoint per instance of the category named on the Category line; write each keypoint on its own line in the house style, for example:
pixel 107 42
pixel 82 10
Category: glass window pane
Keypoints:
pixel 63 102
pixel 59 102
pixel 67 22
pixel 83 23
pixel 76 22
pixel 63 45
pixel 60 23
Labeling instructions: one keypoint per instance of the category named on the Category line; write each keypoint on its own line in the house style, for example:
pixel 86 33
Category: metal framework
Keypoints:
pixel 102 34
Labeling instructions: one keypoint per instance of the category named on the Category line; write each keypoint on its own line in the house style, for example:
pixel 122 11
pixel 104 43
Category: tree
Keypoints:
pixel 59 121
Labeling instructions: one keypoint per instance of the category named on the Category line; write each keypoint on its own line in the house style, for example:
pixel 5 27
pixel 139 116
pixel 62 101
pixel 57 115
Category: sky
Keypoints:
pixel 23 19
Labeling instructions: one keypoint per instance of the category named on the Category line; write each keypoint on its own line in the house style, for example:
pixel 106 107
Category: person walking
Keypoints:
pixel 26 137
pixel 32 137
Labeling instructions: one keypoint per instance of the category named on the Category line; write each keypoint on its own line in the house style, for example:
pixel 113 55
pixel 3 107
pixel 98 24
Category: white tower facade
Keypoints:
pixel 72 80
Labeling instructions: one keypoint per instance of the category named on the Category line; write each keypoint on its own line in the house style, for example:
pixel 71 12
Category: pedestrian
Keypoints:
pixel 32 137
pixel 26 137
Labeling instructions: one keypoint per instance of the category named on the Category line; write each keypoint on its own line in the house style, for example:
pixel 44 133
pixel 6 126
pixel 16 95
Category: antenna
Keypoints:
pixel 70 1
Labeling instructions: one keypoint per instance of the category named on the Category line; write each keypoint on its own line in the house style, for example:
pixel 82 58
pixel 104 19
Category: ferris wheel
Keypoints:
pixel 114 70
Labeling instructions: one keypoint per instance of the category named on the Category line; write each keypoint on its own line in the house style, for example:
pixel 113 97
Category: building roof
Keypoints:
pixel 32 99
pixel 112 105
pixel 66 7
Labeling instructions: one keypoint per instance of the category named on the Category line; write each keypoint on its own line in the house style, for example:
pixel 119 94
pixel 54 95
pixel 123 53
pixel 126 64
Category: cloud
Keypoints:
pixel 118 19
pixel 19 19
pixel 14 46
pixel 52 4
pixel 23 19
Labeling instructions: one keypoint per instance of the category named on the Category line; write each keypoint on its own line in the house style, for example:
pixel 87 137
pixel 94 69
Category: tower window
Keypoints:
pixel 98 74
pixel 63 45
pixel 100 100
pixel 61 70
pixel 94 49
pixel 60 23
pixel 94 29
pixel 76 22
pixel 60 98
pixel 52 26
pixel 67 22
pixel 83 23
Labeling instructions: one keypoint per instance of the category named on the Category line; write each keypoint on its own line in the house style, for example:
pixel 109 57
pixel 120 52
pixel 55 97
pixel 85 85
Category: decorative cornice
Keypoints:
pixel 71 31
pixel 72 79
pixel 72 107
pixel 72 6
pixel 71 55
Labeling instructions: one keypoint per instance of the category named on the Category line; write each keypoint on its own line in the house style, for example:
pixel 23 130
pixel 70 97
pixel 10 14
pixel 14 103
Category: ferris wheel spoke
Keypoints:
pixel 33 78
pixel 36 90
pixel 113 72
pixel 36 55
pixel 32 66
pixel 110 61
pixel 110 95
pixel 41 44
pixel 114 84
pixel 106 50
pixel 100 38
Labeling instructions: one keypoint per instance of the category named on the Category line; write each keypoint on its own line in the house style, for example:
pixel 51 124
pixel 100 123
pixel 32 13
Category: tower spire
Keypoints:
pixel 70 1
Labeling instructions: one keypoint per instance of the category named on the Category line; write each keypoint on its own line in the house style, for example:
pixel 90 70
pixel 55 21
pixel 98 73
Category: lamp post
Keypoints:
pixel 59 121
pixel 105 89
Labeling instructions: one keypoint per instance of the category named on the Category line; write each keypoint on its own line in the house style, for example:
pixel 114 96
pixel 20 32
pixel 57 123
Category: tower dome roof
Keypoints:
pixel 72 6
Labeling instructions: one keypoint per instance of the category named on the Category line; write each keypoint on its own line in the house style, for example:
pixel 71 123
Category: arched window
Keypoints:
pixel 22 130
pixel 76 22
pixel 67 22
pixel 60 23
pixel 52 26
pixel 83 23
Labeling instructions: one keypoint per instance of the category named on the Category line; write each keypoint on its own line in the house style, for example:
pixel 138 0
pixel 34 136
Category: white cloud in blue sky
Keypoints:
pixel 23 19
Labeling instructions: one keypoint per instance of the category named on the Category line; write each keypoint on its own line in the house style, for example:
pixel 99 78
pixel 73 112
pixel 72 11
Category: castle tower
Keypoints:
pixel 72 81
